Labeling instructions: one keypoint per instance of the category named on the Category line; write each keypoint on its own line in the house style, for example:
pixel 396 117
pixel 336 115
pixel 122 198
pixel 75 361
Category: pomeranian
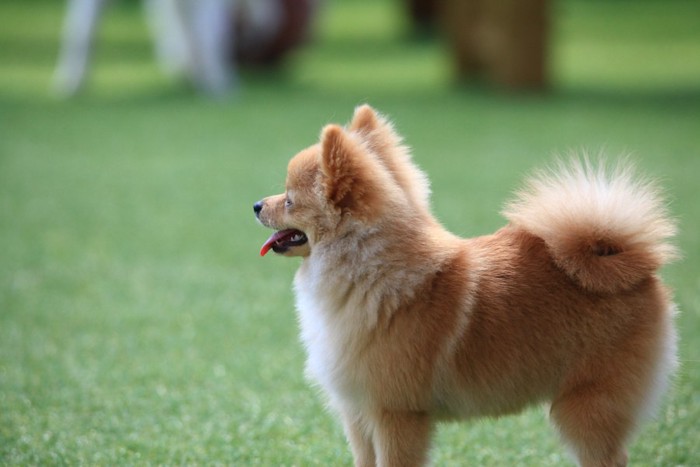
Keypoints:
pixel 406 324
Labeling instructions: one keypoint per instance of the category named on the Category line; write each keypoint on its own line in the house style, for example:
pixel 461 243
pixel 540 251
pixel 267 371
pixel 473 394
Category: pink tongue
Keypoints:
pixel 274 238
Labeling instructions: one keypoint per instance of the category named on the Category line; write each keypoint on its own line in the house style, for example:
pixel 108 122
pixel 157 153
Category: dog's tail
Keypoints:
pixel 607 229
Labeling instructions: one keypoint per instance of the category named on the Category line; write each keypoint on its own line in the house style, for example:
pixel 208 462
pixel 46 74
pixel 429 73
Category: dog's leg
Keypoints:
pixel 79 29
pixel 402 438
pixel 595 424
pixel 608 396
pixel 359 436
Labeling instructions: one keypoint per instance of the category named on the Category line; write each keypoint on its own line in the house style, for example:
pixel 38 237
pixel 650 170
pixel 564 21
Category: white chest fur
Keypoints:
pixel 333 321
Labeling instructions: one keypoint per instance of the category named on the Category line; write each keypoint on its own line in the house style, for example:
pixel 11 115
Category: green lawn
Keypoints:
pixel 138 323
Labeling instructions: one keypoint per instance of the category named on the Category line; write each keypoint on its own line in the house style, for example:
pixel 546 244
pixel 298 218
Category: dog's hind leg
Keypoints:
pixel 609 395
pixel 594 424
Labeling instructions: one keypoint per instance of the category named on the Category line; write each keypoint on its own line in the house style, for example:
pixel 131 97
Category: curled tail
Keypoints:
pixel 607 229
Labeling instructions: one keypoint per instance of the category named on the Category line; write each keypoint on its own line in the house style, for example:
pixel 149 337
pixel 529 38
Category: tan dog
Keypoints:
pixel 406 324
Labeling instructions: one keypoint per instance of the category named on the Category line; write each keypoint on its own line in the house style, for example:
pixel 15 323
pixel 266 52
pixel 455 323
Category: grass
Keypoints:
pixel 137 323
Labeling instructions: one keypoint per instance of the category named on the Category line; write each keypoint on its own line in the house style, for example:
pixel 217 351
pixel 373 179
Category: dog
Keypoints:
pixel 406 324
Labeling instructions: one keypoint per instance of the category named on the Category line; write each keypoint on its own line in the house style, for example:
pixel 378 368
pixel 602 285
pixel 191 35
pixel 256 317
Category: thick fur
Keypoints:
pixel 406 324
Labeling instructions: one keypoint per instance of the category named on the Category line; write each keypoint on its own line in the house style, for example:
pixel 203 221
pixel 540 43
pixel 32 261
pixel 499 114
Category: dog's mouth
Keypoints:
pixel 283 240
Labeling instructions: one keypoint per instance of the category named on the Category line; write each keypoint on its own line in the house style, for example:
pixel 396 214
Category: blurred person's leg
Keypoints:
pixel 80 24
pixel 211 32
pixel 170 37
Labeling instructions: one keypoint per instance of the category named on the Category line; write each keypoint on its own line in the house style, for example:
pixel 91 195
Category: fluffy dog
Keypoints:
pixel 406 324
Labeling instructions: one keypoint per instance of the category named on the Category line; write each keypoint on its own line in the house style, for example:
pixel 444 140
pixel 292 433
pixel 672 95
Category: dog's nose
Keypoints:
pixel 257 207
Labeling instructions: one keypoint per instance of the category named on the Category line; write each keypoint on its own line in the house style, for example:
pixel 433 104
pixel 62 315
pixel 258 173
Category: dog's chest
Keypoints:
pixel 331 329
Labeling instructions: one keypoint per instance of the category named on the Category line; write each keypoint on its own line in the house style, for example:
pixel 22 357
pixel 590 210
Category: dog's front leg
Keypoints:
pixel 402 439
pixel 359 434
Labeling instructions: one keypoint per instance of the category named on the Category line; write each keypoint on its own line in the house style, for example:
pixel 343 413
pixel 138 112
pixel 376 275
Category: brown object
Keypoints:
pixel 505 40
pixel 422 12
pixel 271 47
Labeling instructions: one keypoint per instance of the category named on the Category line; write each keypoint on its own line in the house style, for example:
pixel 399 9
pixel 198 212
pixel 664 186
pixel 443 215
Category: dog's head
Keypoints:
pixel 355 178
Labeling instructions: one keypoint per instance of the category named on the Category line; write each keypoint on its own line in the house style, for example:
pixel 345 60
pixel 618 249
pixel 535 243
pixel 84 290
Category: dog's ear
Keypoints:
pixel 377 131
pixel 351 178
pixel 365 120
pixel 381 138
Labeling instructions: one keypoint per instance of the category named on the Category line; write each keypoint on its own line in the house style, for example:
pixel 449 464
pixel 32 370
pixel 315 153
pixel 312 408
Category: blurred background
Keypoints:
pixel 137 322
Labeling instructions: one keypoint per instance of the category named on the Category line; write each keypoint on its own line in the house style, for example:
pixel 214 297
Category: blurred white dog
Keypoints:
pixel 194 39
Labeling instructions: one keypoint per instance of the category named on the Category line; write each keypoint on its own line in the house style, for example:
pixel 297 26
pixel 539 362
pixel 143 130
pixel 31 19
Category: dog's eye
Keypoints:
pixel 287 203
